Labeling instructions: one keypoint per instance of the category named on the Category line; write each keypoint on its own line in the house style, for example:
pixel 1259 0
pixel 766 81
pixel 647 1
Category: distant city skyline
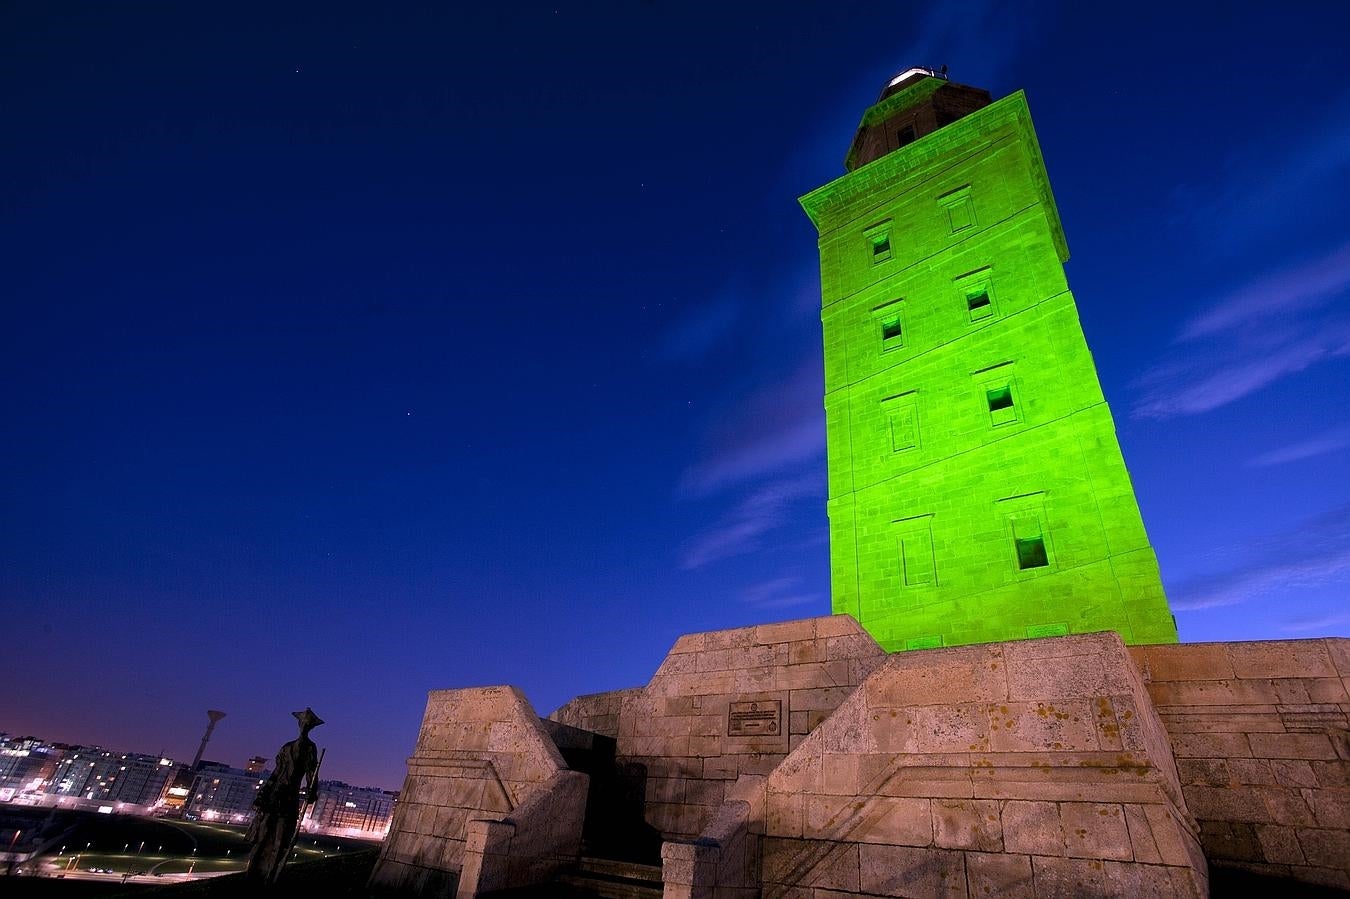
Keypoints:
pixel 356 353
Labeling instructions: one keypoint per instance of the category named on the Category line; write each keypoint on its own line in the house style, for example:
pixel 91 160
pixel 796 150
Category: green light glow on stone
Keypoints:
pixel 977 488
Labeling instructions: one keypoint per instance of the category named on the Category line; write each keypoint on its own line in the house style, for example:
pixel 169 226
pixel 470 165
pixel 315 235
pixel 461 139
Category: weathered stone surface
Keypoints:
pixel 1041 768
pixel 1077 777
pixel 967 824
pixel 1002 875
pixel 912 872
pixel 698 706
pixel 1254 728
pixel 481 753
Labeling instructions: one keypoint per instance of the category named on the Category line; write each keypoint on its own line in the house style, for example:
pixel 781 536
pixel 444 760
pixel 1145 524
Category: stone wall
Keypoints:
pixel 594 712
pixel 1033 768
pixel 481 753
pixel 1259 731
pixel 724 704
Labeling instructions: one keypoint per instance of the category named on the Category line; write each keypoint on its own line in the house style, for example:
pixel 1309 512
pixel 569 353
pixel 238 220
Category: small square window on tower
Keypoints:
pixel 976 288
pixel 890 321
pixel 906 136
pixel 1002 407
pixel 892 332
pixel 1030 543
pixel 879 241
pixel 998 387
pixel 959 208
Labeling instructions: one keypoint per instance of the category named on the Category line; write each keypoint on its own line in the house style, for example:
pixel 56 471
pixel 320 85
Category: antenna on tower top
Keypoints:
pixel 214 716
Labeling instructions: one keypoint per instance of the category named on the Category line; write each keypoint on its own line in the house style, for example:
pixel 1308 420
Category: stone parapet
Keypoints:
pixel 725 704
pixel 481 753
pixel 541 837
pixel 1034 768
pixel 1262 744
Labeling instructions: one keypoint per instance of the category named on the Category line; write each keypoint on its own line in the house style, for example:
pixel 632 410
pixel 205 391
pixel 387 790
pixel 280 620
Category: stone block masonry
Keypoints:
pixel 797 760
pixel 724 704
pixel 1034 768
pixel 1261 738
pixel 482 756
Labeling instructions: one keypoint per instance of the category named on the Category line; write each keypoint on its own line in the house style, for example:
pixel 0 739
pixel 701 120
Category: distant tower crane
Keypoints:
pixel 214 716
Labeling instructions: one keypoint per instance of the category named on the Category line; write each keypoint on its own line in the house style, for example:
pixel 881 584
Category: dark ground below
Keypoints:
pixel 346 875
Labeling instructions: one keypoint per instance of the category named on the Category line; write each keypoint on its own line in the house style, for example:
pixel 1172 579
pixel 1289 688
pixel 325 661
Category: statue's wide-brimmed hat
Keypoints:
pixel 307 718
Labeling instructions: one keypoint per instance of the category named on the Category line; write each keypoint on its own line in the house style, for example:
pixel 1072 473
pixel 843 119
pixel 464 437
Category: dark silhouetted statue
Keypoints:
pixel 281 802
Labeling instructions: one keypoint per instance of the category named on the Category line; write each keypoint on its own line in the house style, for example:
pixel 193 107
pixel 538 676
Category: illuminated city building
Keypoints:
pixel 977 490
pixel 99 775
pixel 342 809
pixel 222 793
pixel 26 764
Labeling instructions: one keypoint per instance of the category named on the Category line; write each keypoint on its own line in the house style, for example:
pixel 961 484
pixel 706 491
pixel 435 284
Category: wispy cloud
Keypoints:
pixel 1316 623
pixel 1314 554
pixel 763 510
pixel 1330 442
pixel 1277 325
pixel 779 593
pixel 772 429
pixel 1276 295
pixel 706 326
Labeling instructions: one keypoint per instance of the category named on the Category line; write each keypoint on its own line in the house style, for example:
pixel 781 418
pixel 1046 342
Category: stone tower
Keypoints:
pixel 977 488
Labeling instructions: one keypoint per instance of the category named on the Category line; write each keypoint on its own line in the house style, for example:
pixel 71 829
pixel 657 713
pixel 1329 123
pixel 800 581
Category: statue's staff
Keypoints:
pixel 312 789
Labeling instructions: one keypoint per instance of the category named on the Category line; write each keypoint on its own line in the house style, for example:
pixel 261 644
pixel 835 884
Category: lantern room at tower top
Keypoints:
pixel 977 490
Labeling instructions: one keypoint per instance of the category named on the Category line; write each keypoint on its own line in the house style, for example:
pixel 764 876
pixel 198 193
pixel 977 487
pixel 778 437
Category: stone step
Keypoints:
pixel 610 867
pixel 611 879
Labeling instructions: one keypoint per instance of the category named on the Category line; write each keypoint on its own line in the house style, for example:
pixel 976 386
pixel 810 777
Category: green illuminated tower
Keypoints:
pixel 977 489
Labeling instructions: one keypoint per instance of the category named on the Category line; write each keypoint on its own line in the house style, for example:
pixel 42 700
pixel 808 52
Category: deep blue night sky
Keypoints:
pixel 356 350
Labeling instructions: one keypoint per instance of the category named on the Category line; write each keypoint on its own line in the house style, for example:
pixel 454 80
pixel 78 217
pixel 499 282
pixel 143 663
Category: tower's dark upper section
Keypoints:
pixel 913 104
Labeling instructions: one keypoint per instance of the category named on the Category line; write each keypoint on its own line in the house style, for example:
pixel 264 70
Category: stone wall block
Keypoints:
pixel 1252 771
pixel 1281 658
pixel 840 774
pixel 1207 772
pixel 909 871
pixel 1034 726
pixel 1285 806
pixel 1331 774
pixel 943 728
pixel 1330 807
pixel 1223 804
pixel 1142 844
pixel 1085 677
pixel 1007 876
pixel 1182 662
pixel 967 824
pixel 1326 848
pixel 1291 746
pixel 1095 830
pixel 1147 882
pixel 720 768
pixel 1210 745
pixel 849 728
pixel 881 819
pixel 1069 878
pixel 960 674
pixel 784 815
pixel 786 631
pixel 809 863
pixel 1279 844
pixel 1032 828
pixel 1339 650
pixel 1326 689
